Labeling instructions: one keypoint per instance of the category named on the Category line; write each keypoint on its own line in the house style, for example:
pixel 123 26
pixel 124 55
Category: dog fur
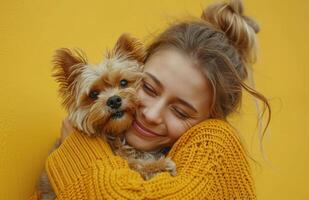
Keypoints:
pixel 101 102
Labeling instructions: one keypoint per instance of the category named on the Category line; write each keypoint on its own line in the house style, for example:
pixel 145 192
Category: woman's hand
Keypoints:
pixel 66 129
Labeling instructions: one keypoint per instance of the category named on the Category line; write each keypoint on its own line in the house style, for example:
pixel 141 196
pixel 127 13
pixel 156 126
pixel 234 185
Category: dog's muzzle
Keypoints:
pixel 114 102
pixel 117 114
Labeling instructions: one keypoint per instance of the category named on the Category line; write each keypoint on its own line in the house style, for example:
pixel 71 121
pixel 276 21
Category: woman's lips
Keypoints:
pixel 144 131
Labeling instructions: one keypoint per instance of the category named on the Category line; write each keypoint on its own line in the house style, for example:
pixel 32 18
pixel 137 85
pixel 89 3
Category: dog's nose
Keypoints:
pixel 114 102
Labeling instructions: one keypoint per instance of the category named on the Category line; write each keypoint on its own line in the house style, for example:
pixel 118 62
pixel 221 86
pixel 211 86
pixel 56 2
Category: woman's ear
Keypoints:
pixel 130 47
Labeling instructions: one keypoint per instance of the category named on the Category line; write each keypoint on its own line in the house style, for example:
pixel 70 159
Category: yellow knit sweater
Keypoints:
pixel 211 164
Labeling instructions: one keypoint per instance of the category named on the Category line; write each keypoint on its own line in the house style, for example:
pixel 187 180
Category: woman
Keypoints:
pixel 194 73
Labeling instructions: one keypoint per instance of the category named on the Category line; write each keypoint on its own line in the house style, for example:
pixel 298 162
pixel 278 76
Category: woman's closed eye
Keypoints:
pixel 180 113
pixel 149 89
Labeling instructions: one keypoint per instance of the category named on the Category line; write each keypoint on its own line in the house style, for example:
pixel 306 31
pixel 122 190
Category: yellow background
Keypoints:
pixel 30 110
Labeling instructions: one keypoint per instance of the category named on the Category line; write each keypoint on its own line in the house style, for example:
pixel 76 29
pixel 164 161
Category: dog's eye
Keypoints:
pixel 94 94
pixel 123 83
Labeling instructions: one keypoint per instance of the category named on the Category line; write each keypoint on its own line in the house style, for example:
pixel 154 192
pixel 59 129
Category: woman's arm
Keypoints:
pixel 210 164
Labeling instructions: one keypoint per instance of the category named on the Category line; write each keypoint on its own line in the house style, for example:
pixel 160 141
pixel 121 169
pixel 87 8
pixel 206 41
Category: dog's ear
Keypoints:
pixel 130 47
pixel 68 66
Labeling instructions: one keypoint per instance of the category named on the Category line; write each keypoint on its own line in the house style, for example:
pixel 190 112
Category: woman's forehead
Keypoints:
pixel 178 76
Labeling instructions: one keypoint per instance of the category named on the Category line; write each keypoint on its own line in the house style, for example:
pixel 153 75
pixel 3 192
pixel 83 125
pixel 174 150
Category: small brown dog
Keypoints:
pixel 101 101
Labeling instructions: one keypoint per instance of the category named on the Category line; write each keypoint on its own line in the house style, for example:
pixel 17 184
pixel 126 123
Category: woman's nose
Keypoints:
pixel 153 113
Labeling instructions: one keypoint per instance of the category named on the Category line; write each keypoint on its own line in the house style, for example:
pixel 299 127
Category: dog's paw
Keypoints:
pixel 170 166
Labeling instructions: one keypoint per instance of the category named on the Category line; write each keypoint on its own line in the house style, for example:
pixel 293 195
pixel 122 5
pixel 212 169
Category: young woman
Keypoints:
pixel 194 77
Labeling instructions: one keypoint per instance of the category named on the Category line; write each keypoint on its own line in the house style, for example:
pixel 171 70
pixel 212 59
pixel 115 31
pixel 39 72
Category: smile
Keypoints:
pixel 144 131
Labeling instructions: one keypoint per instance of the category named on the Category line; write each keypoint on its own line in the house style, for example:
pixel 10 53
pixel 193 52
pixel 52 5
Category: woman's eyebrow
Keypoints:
pixel 186 104
pixel 154 79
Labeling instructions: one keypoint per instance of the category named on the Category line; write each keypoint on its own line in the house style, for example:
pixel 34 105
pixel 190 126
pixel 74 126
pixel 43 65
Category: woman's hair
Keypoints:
pixel 223 43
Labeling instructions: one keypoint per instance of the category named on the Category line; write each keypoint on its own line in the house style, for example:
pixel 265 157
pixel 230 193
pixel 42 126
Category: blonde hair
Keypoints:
pixel 223 43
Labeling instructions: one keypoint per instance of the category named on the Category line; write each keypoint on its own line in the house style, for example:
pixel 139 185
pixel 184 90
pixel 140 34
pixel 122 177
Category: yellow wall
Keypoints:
pixel 30 111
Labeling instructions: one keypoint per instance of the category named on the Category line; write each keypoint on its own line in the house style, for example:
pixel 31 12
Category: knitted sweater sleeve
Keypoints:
pixel 211 164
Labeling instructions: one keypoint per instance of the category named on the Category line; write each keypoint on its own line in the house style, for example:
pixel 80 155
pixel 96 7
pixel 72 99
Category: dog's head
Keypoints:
pixel 101 98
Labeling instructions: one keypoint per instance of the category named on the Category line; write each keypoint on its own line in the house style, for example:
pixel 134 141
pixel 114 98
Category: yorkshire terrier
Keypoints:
pixel 101 101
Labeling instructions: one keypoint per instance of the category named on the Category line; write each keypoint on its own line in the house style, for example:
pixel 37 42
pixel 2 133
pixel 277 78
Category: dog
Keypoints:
pixel 101 101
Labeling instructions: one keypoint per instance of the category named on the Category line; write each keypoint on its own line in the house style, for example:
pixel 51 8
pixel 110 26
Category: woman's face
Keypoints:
pixel 174 95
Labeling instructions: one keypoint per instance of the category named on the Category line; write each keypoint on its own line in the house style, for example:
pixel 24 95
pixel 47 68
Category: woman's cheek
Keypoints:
pixel 175 128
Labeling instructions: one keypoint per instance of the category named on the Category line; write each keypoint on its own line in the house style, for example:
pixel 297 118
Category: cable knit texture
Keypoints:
pixel 211 164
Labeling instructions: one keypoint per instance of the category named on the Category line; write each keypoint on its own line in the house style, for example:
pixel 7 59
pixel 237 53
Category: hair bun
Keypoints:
pixel 240 30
